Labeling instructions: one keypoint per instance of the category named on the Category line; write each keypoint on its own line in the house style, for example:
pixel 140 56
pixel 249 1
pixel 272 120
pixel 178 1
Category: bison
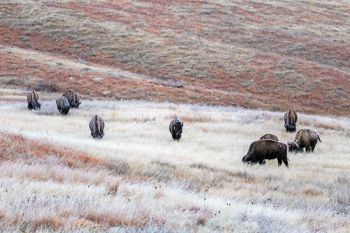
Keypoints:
pixel 33 101
pixel 63 105
pixel 266 149
pixel 97 126
pixel 290 120
pixel 73 98
pixel 269 136
pixel 305 138
pixel 175 128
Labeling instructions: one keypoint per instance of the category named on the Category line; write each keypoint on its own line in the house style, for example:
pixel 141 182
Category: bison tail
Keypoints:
pixel 318 137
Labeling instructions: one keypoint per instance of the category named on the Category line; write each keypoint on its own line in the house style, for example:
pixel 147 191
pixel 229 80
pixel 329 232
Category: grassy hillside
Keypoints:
pixel 55 177
pixel 256 54
pixel 228 69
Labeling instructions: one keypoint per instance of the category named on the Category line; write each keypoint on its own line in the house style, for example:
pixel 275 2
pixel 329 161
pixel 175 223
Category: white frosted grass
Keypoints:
pixel 141 129
pixel 52 199
pixel 217 137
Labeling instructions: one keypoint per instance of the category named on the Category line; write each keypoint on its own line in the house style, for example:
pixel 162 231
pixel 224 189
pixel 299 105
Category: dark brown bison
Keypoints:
pixel 305 138
pixel 269 136
pixel 290 120
pixel 266 149
pixel 33 101
pixel 63 105
pixel 175 128
pixel 73 98
pixel 97 126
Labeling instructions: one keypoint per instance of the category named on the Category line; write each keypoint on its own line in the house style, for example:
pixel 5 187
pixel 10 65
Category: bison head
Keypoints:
pixel 58 103
pixel 37 105
pixel 290 128
pixel 177 129
pixel 250 159
pixel 97 135
pixel 75 104
pixel 294 147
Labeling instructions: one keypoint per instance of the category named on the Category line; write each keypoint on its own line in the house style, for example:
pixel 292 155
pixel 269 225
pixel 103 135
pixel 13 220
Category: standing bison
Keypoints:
pixel 97 126
pixel 269 136
pixel 63 105
pixel 175 128
pixel 33 101
pixel 305 138
pixel 290 120
pixel 266 149
pixel 73 98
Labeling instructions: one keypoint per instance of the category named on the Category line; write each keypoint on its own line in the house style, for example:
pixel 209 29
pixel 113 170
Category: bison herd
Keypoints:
pixel 267 147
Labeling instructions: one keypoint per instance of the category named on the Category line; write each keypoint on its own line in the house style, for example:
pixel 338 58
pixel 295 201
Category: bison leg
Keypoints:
pixel 313 146
pixel 285 161
pixel 30 106
pixel 308 149
pixel 300 149
pixel 262 162
pixel 279 161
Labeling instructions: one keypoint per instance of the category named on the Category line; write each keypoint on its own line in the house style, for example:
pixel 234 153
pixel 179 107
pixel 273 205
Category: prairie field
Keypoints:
pixel 228 69
pixel 55 177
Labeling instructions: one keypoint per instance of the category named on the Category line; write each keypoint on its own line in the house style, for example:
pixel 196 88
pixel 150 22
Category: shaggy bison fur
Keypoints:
pixel 33 101
pixel 305 138
pixel 266 149
pixel 73 98
pixel 175 128
pixel 63 105
pixel 97 126
pixel 269 136
pixel 290 120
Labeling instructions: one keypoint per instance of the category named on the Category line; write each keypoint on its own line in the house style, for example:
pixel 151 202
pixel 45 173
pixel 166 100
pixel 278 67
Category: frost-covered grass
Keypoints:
pixel 151 183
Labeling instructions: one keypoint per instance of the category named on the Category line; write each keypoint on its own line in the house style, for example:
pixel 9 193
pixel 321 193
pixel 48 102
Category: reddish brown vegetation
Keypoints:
pixel 138 220
pixel 312 192
pixel 51 222
pixel 14 145
pixel 278 66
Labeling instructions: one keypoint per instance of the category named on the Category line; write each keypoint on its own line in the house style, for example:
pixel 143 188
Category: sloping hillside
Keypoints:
pixel 255 54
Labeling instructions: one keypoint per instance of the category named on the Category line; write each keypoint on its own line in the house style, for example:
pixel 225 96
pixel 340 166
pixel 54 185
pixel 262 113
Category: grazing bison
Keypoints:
pixel 305 138
pixel 97 126
pixel 175 128
pixel 33 101
pixel 73 98
pixel 269 136
pixel 63 105
pixel 266 149
pixel 290 120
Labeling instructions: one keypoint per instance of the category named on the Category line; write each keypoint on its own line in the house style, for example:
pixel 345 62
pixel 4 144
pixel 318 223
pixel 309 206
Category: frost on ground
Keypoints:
pixel 55 177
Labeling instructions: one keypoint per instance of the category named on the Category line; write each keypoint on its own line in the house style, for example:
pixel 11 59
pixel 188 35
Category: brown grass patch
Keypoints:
pixel 140 219
pixel 14 145
pixel 2 214
pixel 312 192
pixel 50 222
pixel 201 221
pixel 113 189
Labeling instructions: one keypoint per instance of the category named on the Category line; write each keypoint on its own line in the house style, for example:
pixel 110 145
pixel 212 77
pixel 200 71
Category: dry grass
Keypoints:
pixel 256 54
pixel 55 177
